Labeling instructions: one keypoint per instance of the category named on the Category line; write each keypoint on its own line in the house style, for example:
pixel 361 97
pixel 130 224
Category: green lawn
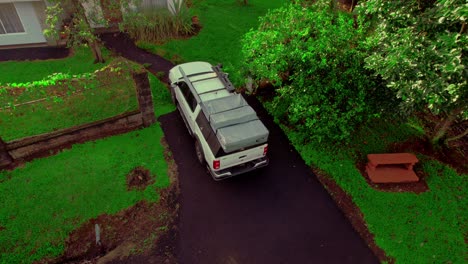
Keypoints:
pixel 109 94
pixel 81 61
pixel 412 228
pixel 84 106
pixel 42 202
pixel 424 228
pixel 223 23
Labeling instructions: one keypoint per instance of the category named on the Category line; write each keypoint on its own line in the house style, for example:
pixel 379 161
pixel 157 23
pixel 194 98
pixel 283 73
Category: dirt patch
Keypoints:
pixel 139 178
pixel 353 213
pixel 133 231
pixel 144 233
pixel 453 155
pixel 2 228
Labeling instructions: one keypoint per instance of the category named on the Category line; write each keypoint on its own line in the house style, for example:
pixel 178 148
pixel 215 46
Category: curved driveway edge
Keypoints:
pixel 280 214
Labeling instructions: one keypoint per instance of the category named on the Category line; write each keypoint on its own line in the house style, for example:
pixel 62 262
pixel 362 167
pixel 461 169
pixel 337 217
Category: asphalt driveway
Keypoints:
pixel 280 214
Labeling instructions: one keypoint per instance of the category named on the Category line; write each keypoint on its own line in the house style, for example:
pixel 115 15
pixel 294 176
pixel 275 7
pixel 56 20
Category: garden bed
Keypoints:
pixel 65 100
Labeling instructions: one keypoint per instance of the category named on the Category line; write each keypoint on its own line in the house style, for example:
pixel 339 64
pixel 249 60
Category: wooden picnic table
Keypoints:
pixel 391 167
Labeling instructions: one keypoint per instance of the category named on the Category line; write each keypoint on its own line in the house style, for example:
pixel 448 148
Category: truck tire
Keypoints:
pixel 199 152
pixel 172 95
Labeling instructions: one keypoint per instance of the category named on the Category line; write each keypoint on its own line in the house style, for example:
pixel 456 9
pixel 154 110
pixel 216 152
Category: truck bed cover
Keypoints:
pixel 234 122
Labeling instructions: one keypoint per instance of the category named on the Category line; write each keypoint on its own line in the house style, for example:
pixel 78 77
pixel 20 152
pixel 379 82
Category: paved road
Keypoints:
pixel 280 214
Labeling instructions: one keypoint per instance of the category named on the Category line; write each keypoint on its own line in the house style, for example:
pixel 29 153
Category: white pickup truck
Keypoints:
pixel 229 137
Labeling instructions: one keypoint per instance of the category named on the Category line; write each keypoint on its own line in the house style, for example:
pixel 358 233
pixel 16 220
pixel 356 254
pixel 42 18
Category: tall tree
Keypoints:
pixel 419 48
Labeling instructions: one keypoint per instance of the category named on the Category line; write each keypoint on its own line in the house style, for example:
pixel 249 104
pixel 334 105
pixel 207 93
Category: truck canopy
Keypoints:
pixel 234 122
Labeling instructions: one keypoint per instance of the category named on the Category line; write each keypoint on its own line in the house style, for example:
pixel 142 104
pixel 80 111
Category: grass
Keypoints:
pixel 43 201
pixel 85 106
pixel 81 61
pixel 45 116
pixel 223 22
pixel 412 228
pixel 424 228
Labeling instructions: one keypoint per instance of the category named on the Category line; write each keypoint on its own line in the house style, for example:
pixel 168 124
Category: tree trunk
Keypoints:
pixel 463 28
pixel 351 8
pixel 96 49
pixel 464 134
pixel 445 126
pixel 92 41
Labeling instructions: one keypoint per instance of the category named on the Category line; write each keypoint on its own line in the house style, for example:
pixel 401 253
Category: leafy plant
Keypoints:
pixel 79 29
pixel 419 48
pixel 314 57
pixel 157 24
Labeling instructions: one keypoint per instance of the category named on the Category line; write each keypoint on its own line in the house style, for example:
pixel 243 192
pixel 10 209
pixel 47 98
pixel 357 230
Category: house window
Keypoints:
pixel 9 19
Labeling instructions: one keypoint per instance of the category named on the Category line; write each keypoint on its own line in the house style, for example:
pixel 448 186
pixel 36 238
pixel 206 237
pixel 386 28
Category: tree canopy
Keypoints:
pixel 419 48
pixel 334 70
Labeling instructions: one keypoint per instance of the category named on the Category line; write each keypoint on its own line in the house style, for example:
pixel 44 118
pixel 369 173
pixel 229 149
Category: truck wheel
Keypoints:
pixel 173 95
pixel 199 152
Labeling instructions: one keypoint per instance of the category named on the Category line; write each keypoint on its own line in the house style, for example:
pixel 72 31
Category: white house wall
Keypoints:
pixel 174 6
pixel 94 13
pixel 31 25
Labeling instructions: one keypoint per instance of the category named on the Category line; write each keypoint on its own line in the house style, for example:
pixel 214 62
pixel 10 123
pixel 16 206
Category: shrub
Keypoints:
pixel 314 57
pixel 157 24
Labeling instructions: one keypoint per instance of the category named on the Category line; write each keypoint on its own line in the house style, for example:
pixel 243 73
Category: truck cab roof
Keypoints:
pixel 203 78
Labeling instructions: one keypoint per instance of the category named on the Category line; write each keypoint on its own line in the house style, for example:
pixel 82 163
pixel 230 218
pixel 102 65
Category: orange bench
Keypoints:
pixel 391 168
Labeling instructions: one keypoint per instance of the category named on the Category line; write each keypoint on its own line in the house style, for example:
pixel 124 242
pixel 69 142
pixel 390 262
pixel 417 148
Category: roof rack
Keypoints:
pixel 223 77
pixel 190 85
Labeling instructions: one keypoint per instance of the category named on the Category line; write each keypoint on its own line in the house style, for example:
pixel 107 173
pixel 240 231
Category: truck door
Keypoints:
pixel 189 105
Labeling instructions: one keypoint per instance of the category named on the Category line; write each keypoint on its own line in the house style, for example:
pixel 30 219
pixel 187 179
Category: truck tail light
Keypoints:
pixel 216 164
pixel 265 150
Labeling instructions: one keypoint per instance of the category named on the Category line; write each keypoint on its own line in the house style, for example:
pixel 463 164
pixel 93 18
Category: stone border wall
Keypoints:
pixel 15 152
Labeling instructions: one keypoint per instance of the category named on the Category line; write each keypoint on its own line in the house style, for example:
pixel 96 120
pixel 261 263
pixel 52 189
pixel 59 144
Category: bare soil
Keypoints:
pixel 139 178
pixel 144 232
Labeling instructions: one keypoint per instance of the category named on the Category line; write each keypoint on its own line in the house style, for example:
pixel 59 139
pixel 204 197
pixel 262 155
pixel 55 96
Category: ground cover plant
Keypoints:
pixel 46 199
pixel 410 228
pixel 63 100
pixel 157 24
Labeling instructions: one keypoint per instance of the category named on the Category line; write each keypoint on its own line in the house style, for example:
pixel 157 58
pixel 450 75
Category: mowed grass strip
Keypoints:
pixel 43 201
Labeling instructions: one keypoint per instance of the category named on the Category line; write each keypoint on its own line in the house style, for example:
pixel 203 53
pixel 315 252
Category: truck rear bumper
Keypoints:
pixel 239 169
